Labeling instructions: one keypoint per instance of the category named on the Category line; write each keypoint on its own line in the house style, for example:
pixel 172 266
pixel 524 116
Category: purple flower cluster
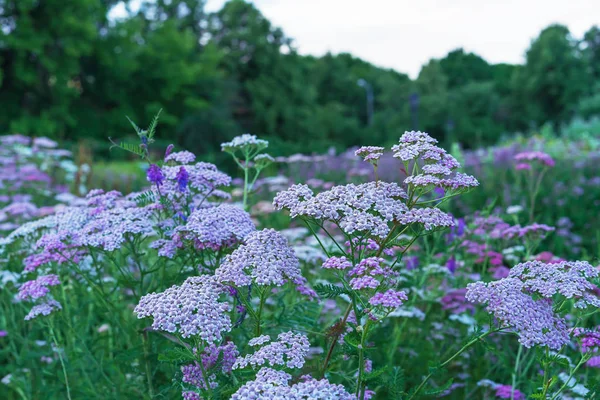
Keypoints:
pixel 33 290
pixel 566 278
pixel 216 227
pixel 533 320
pixel 155 175
pixel 366 207
pixel 192 373
pixel 265 258
pixel 507 392
pixel 589 339
pixel 389 299
pixel 370 153
pixel 529 231
pixel 455 301
pixel 340 263
pixel 369 207
pixel 46 308
pixel 537 156
pixel 368 273
pixel 181 157
pixel 192 309
pixel 439 166
pixel 289 350
pixel 274 385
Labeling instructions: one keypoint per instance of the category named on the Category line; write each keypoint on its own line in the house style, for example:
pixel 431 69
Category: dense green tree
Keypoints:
pixel 69 71
pixel 462 68
pixel 554 76
pixel 42 44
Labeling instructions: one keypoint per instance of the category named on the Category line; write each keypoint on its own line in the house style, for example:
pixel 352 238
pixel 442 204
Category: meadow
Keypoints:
pixel 407 272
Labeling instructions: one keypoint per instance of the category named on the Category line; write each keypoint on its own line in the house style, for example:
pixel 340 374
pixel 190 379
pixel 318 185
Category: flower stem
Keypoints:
pixel 584 358
pixel 147 364
pixel 448 361
pixel 62 362
pixel 516 372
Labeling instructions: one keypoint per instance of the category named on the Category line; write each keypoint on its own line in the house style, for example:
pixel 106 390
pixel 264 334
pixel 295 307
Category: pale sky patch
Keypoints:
pixel 404 35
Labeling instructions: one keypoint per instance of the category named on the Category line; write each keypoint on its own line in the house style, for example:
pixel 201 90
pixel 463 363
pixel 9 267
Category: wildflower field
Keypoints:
pixel 407 272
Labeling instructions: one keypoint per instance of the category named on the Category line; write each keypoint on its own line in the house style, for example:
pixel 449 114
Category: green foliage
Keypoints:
pixel 68 71
pixel 330 291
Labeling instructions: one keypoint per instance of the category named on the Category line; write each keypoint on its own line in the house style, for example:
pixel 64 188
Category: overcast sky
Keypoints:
pixel 405 34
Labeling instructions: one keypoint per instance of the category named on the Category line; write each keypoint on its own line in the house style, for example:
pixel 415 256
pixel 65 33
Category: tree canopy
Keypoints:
pixel 69 71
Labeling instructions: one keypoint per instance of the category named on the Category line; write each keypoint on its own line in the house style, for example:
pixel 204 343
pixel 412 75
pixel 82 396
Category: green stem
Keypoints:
pixel 259 313
pixel 516 372
pixel 448 361
pixel 62 362
pixel 584 358
pixel 360 390
pixel 147 364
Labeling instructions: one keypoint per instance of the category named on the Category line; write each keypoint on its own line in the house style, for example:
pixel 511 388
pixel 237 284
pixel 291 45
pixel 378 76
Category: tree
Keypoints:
pixel 553 78
pixel 42 44
pixel 462 68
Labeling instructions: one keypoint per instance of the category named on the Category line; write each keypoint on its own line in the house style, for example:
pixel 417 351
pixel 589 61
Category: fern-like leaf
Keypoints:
pixel 329 291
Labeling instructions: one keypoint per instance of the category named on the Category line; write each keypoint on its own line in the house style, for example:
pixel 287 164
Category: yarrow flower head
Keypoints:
pixel 566 278
pixel 245 142
pixel 535 156
pixel 340 263
pixel 216 227
pixel 389 299
pixel 370 153
pixel 192 309
pixel 182 157
pixel 44 309
pixel 438 168
pixel 289 350
pixel 263 160
pixel 271 385
pixel 507 392
pixel 533 320
pixel 265 258
pixel 33 290
pixel 510 299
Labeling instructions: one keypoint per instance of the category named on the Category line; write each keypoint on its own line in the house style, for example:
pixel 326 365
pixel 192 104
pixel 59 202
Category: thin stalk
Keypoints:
pixel 147 364
pixel 259 313
pixel 516 372
pixel 62 362
pixel 584 358
pixel 448 361
pixel 360 389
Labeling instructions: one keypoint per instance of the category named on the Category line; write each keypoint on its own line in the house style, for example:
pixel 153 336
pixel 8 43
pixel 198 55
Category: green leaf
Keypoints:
pixel 329 291
pixel 438 390
pixel 143 199
pixel 176 356
pixel 152 127
pixel 396 382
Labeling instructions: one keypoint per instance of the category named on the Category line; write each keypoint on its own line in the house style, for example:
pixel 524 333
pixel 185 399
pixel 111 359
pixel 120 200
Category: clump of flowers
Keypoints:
pixel 525 300
pixel 245 151
pixel 192 309
pixel 289 350
pixel 264 259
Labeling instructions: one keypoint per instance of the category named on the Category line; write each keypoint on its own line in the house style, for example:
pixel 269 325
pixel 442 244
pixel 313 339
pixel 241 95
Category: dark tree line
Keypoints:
pixel 69 72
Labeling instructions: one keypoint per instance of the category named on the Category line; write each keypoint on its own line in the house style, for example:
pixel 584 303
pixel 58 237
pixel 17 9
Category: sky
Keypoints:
pixel 405 34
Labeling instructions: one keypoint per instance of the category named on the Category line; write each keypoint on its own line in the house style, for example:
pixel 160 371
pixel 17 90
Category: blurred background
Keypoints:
pixel 306 75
